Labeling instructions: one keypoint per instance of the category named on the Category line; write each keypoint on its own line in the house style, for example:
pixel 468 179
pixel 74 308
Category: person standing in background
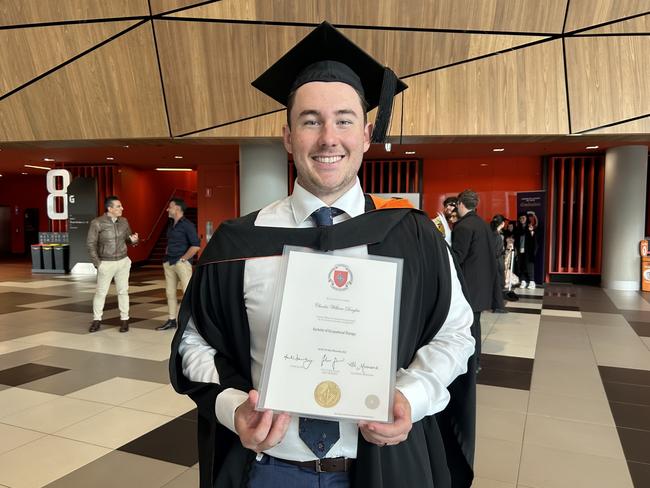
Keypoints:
pixel 473 246
pixel 182 244
pixel 107 238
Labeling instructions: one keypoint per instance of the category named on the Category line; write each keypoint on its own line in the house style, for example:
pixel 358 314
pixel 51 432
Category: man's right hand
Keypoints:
pixel 259 431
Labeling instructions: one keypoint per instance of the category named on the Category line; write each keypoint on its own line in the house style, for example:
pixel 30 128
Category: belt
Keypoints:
pixel 325 465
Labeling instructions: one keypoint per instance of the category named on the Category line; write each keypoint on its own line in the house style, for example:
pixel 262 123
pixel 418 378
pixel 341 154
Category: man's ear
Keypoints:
pixel 286 138
pixel 367 134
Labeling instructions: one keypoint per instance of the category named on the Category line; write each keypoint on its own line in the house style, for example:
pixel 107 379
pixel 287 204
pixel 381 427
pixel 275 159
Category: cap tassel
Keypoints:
pixel 385 107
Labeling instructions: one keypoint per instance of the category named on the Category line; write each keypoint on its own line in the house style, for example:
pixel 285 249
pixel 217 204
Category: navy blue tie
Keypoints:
pixel 325 216
pixel 320 435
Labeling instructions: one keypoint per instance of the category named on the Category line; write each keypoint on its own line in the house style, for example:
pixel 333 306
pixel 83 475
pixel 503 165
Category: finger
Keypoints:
pixel 278 430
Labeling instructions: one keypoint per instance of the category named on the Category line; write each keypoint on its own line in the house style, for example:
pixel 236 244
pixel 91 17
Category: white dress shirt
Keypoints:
pixel 424 383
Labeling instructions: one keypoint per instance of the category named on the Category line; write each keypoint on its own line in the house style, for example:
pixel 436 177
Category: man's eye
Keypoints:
pixel 345 122
pixel 310 122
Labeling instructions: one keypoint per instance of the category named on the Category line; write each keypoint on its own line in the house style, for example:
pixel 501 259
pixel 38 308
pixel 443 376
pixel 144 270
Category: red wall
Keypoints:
pixel 217 194
pixel 21 192
pixel 145 195
pixel 497 181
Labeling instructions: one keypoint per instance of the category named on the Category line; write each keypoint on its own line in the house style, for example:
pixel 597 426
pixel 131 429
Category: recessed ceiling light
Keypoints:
pixel 48 159
pixel 127 146
pixel 409 152
pixel 484 164
pixel 110 158
pixel 178 157
pixel 37 167
pixel 591 147
pixel 23 173
pixel 173 169
pixel 499 149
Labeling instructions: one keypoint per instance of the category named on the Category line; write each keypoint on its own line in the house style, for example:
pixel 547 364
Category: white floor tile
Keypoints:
pixel 114 427
pixel 44 460
pixel 116 391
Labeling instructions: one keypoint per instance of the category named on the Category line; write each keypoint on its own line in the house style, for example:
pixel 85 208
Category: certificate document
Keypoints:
pixel 332 344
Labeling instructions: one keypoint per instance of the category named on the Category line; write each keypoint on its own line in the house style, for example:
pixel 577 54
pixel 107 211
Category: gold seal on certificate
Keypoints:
pixel 327 394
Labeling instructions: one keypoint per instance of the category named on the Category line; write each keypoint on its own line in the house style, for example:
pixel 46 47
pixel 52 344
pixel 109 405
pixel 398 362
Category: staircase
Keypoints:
pixel 158 251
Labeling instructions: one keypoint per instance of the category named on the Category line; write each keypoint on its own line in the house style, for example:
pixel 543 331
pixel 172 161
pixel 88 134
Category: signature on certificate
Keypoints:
pixel 298 361
pixel 363 368
pixel 330 363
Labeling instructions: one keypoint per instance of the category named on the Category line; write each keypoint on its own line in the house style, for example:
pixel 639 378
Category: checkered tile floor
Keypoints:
pixel 563 395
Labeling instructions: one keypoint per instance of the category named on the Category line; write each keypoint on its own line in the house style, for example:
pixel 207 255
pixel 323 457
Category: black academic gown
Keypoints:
pixel 215 300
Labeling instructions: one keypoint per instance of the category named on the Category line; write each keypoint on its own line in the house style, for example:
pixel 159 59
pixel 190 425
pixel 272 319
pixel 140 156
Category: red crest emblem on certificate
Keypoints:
pixel 340 277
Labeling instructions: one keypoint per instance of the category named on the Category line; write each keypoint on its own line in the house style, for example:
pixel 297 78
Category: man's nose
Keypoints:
pixel 328 135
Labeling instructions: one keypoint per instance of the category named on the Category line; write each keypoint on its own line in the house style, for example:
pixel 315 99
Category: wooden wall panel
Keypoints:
pixel 113 92
pixel 203 91
pixel 584 13
pixel 638 25
pixel 13 12
pixel 29 52
pixel 492 15
pixel 521 92
pixel 640 126
pixel 608 79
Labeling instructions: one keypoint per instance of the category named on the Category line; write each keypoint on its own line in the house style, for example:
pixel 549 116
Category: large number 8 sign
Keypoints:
pixel 57 194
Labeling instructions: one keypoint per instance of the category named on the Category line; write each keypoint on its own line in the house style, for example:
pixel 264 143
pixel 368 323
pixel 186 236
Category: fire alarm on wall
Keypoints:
pixel 208 192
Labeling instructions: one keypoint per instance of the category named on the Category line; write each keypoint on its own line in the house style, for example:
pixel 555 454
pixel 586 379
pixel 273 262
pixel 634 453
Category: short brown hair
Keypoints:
pixel 469 198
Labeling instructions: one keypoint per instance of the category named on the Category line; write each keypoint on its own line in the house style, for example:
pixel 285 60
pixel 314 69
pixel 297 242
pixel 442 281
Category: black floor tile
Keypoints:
pixel 640 474
pixel 625 375
pixel 561 307
pixel 174 442
pixel 10 302
pixel 506 379
pixel 635 444
pixel 532 311
pixel 27 373
pixel 191 415
pixel 641 328
pixel 507 363
pixel 624 393
pixel 631 416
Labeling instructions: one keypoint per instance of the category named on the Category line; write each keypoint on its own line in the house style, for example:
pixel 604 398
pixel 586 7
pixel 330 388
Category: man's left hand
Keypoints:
pixel 390 434
pixel 134 238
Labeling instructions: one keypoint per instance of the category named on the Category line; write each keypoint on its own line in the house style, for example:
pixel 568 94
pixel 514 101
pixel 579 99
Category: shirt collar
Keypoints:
pixel 303 203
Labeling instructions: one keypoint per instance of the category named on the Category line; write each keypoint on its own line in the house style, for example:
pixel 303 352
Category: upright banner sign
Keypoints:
pixel 82 209
pixel 534 204
pixel 55 178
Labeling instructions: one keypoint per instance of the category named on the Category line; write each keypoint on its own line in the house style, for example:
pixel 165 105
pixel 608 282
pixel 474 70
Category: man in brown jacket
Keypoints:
pixel 107 239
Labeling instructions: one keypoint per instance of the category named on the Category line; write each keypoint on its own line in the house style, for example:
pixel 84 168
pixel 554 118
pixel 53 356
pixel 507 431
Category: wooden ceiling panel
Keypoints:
pixel 522 92
pixel 206 90
pixel 113 92
pixel 14 12
pixel 264 126
pixel 640 126
pixel 608 79
pixel 585 13
pixel 159 6
pixel 412 52
pixel 29 52
pixel 488 15
pixel 638 25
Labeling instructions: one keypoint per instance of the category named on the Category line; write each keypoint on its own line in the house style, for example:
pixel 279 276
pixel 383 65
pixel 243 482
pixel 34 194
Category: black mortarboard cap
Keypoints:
pixel 327 55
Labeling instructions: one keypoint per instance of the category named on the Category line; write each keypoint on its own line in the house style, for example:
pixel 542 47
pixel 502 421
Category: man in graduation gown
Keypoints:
pixel 218 350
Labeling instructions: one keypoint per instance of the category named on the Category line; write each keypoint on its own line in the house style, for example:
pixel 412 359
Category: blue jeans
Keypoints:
pixel 270 472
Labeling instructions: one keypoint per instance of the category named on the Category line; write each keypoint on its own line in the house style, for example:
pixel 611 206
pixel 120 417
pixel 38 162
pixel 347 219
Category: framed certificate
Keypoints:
pixel 332 345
